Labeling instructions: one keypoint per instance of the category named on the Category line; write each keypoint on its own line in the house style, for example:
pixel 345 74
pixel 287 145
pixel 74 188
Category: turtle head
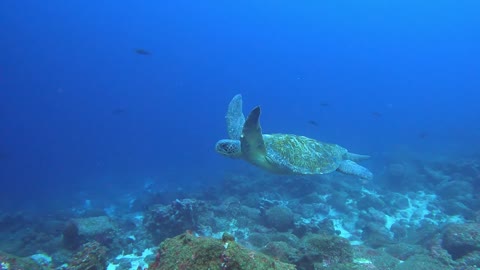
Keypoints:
pixel 229 148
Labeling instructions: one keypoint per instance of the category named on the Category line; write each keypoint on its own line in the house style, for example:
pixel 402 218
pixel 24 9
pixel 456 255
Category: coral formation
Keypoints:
pixel 71 238
pixel 430 220
pixel 280 218
pixel 461 239
pixel 187 251
pixel 325 250
pixel 164 221
pixel 92 256
pixel 11 262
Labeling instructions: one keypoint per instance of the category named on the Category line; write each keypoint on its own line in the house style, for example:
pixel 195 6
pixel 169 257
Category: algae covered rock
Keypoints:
pixel 163 221
pixel 421 262
pixel 325 251
pixel 92 256
pixel 93 226
pixel 330 247
pixel 280 218
pixel 187 251
pixel 461 239
pixel 8 261
pixel 82 230
pixel 280 250
pixel 71 238
pixel 370 258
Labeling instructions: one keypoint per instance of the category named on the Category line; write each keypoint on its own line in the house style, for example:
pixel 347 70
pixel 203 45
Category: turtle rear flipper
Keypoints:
pixel 352 168
pixel 356 157
pixel 253 146
pixel 235 118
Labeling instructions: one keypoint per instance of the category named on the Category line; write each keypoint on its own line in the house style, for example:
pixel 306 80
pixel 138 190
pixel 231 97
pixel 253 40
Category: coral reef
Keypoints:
pixel 92 256
pixel 187 251
pixel 71 237
pixel 10 262
pixel 164 221
pixel 100 229
pixel 280 218
pixel 325 251
pixel 421 215
pixel 461 239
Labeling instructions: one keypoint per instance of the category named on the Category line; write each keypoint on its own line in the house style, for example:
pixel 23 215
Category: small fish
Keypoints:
pixel 142 52
pixel 423 135
pixel 313 123
pixel 376 114
pixel 119 111
pixel 324 104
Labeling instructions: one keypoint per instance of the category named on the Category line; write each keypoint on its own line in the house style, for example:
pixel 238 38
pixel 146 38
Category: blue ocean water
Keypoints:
pixel 81 111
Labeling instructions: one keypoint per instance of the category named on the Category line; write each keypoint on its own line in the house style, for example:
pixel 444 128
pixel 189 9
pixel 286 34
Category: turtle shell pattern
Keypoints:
pixel 301 155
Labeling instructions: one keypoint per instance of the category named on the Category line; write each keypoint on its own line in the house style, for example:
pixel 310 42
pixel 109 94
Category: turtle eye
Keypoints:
pixel 225 147
pixel 228 148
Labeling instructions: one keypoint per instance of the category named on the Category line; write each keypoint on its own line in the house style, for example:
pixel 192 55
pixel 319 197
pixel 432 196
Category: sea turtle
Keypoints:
pixel 283 153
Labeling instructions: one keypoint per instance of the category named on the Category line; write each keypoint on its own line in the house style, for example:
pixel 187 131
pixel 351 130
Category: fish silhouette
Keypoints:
pixel 142 52
pixel 119 111
pixel 423 135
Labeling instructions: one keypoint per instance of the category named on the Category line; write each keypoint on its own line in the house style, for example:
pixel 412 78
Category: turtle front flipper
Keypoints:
pixel 235 118
pixel 352 168
pixel 253 146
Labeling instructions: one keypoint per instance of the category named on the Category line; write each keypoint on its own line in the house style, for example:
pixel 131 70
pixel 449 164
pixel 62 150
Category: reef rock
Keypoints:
pixel 461 239
pixel 8 261
pixel 280 218
pixel 92 256
pixel 186 251
pixel 164 221
pixel 100 229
